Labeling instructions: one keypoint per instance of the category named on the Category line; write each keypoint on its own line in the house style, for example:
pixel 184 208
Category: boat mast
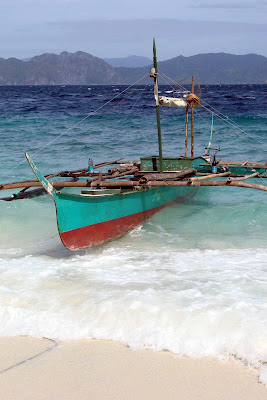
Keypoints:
pixel 156 92
pixel 186 130
pixel 192 120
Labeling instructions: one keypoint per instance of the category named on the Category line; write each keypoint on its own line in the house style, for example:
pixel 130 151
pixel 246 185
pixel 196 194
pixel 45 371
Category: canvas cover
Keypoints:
pixel 172 102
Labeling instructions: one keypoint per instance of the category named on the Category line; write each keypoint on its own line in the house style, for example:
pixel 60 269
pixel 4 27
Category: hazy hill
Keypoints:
pixel 218 68
pixel 129 62
pixel 51 69
pixel 84 69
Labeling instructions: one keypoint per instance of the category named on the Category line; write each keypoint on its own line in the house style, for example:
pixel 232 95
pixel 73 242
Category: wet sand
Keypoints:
pixel 42 369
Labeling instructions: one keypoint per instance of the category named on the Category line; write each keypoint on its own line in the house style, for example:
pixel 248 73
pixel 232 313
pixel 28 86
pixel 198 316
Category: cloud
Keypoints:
pixel 121 37
pixel 225 6
pixel 125 37
pixel 138 29
pixel 222 6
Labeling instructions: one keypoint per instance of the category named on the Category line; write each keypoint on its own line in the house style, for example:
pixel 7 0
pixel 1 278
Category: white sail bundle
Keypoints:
pixel 172 102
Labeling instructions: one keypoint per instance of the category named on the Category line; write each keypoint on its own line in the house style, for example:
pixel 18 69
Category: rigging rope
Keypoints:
pixel 207 123
pixel 211 133
pixel 224 118
pixel 237 133
pixel 176 83
pixel 98 122
pixel 72 127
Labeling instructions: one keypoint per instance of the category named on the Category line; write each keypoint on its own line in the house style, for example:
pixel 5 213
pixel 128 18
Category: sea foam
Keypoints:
pixel 191 280
pixel 191 302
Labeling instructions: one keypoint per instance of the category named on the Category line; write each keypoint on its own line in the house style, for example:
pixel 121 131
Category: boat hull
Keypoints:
pixel 90 219
pixel 87 221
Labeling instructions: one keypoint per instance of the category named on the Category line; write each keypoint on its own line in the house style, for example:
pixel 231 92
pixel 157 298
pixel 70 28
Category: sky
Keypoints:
pixel 120 28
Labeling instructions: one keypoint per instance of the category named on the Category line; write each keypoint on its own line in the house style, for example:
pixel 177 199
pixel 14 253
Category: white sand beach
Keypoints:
pixel 42 369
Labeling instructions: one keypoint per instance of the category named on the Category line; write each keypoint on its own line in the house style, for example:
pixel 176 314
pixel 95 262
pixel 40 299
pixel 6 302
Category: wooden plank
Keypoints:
pixel 99 179
pixel 210 176
pixel 167 175
pixel 243 178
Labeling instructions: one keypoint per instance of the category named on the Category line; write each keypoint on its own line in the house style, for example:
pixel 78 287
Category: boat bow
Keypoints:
pixel 45 183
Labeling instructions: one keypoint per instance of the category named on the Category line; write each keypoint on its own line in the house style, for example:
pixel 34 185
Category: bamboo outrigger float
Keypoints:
pixel 114 202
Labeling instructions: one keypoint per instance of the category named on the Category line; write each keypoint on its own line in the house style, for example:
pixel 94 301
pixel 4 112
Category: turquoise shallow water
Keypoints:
pixel 191 280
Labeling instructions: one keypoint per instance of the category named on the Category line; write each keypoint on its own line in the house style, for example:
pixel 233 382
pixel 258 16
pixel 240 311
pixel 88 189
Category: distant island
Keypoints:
pixel 81 68
pixel 129 62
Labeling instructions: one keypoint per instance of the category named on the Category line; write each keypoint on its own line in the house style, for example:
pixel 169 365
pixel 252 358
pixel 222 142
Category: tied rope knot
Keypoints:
pixel 192 100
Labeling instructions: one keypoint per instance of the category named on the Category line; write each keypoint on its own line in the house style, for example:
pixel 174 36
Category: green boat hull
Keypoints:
pixel 90 219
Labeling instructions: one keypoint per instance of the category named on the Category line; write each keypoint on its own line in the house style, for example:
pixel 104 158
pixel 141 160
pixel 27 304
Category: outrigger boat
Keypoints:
pixel 109 207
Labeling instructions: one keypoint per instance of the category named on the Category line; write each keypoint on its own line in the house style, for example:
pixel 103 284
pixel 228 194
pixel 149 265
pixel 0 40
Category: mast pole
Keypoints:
pixel 186 130
pixel 192 119
pixel 155 75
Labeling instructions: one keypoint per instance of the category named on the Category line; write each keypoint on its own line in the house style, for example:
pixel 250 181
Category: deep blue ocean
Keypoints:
pixel 192 279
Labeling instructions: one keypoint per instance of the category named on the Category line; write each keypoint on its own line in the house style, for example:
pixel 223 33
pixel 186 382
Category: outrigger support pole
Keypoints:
pixel 101 181
pixel 155 76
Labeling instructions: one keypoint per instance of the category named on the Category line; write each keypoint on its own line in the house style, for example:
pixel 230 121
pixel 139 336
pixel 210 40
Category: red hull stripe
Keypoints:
pixel 94 235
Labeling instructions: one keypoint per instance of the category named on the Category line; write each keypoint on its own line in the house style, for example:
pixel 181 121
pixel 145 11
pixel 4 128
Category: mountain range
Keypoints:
pixel 129 62
pixel 81 68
